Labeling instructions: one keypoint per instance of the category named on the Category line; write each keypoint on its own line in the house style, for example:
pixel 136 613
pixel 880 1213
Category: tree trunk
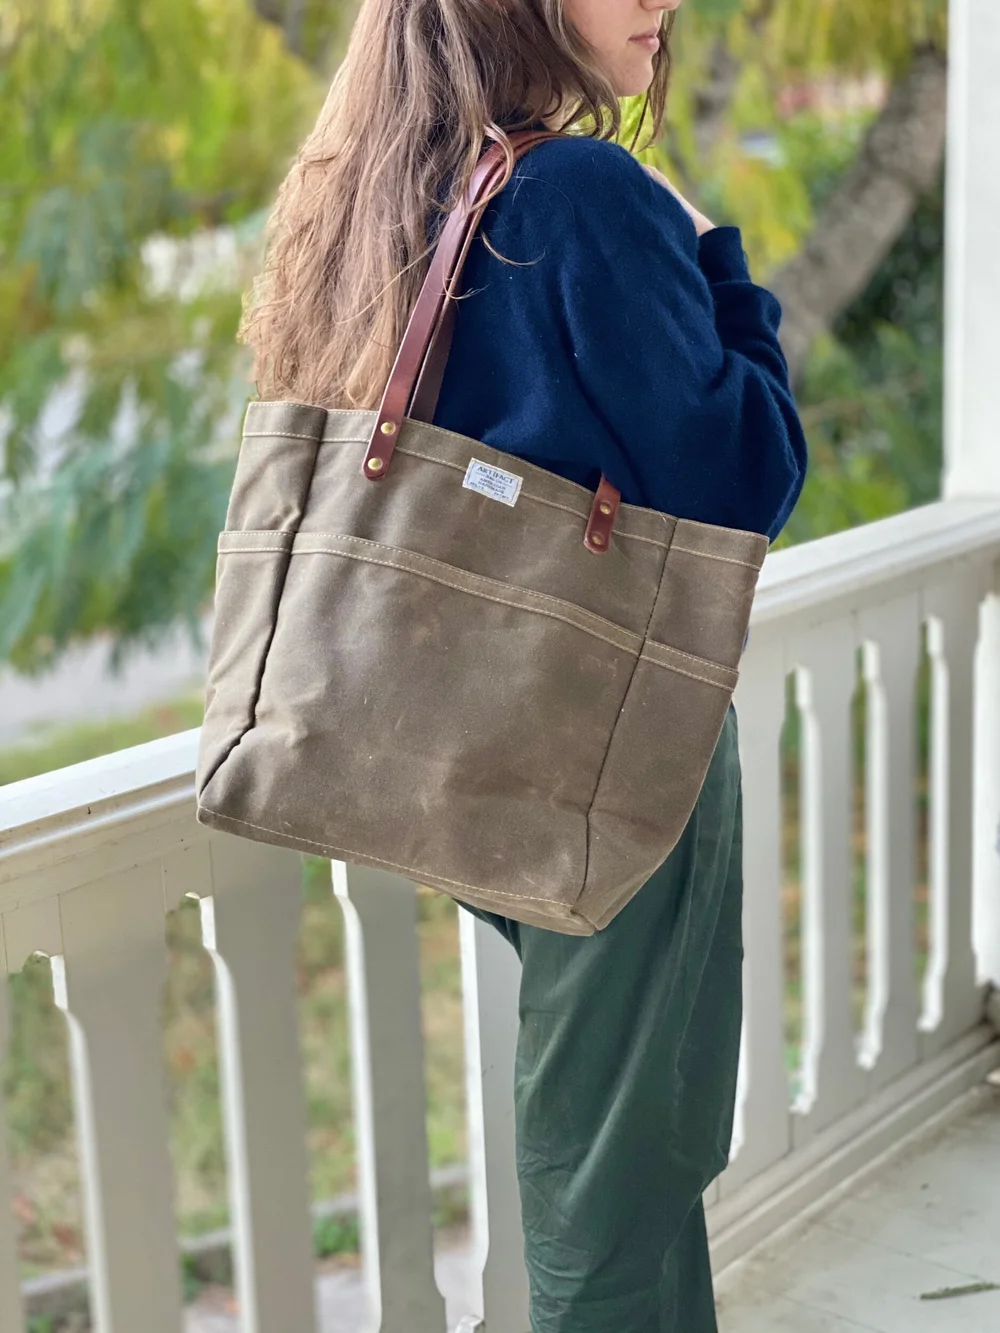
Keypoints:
pixel 899 161
pixel 287 15
pixel 713 98
pixel 714 95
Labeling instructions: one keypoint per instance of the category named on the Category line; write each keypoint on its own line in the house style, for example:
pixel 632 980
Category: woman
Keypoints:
pixel 607 326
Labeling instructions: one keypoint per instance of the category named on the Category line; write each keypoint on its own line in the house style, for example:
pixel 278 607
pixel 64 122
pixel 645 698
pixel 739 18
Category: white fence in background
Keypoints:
pixel 877 593
pixel 92 857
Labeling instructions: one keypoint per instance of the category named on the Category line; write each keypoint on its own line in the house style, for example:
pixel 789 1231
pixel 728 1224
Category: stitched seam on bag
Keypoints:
pixel 707 555
pixel 691 657
pixel 556 602
pixel 224 548
pixel 552 504
pixel 586 496
pixel 614 729
pixel 538 499
pixel 279 435
pixel 258 683
pixel 708 527
pixel 393 865
pixel 453 435
pixel 635 537
pixel 671 666
pixel 444 462
pixel 532 467
pixel 458 587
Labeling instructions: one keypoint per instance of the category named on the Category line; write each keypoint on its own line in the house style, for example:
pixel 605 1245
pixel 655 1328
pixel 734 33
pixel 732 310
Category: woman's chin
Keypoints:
pixel 635 82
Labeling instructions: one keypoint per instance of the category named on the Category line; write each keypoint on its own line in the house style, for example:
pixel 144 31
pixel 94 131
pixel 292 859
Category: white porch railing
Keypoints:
pixel 92 857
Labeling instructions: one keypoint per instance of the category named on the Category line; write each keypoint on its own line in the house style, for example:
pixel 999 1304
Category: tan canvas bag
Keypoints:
pixel 436 658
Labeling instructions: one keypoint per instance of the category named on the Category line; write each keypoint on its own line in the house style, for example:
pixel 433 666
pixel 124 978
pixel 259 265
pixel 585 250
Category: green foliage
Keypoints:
pixel 814 36
pixel 335 1235
pixel 818 150
pixel 124 123
pixel 874 428
pixel 777 44
pixel 121 122
pixel 872 396
pixel 72 745
pixel 192 1283
pixel 38 1107
pixel 906 292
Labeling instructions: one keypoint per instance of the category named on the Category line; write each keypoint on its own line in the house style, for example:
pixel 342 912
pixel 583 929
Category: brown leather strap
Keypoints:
pixel 486 177
pixel 418 371
pixel 603 513
pixel 428 317
pixel 428 390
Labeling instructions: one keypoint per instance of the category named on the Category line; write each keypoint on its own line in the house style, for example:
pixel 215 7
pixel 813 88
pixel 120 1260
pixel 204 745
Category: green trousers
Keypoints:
pixel 625 1086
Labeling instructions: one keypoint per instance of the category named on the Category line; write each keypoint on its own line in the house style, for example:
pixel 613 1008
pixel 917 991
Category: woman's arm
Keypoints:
pixel 701 222
pixel 675 347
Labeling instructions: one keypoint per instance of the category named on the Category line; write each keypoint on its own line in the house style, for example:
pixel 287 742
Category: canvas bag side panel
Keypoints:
pixel 706 597
pixel 673 713
pixel 270 491
pixel 657 760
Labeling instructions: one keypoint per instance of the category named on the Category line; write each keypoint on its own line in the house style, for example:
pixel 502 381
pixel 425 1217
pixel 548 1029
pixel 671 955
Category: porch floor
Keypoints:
pixel 927 1220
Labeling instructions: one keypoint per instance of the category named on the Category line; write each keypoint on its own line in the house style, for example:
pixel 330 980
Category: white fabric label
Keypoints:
pixel 492 481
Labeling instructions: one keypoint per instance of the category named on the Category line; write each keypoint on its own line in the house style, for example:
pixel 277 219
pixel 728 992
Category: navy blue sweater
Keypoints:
pixel 618 342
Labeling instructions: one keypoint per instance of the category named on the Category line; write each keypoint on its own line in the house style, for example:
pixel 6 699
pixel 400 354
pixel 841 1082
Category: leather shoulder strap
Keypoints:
pixel 424 402
pixel 415 379
pixel 416 376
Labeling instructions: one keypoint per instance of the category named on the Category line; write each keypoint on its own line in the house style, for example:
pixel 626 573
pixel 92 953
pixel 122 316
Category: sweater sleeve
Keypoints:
pixel 674 346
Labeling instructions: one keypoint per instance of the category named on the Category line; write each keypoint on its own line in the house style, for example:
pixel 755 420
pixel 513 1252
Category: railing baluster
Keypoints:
pixel 832 1082
pixel 892 653
pixel 986 788
pixel 490 980
pixel 250 909
pixel 109 982
pixel 952 1002
pixel 11 1307
pixel 383 972
pixel 762 1126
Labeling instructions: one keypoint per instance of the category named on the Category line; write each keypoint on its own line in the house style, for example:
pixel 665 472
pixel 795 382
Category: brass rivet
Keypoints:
pixel 604 507
pixel 596 539
pixel 376 464
pixel 388 428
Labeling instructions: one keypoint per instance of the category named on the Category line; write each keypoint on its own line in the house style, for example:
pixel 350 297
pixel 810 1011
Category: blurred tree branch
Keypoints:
pixel 899 161
pixel 713 97
pixel 287 15
pixel 311 29
pixel 130 204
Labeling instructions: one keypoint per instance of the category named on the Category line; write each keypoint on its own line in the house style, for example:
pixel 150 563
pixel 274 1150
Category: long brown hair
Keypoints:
pixel 423 83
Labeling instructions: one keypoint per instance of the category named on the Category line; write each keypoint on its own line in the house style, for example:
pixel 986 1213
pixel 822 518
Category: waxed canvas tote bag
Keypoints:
pixel 435 658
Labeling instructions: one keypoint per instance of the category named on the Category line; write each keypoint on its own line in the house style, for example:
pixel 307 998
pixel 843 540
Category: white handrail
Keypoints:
pixel 91 854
